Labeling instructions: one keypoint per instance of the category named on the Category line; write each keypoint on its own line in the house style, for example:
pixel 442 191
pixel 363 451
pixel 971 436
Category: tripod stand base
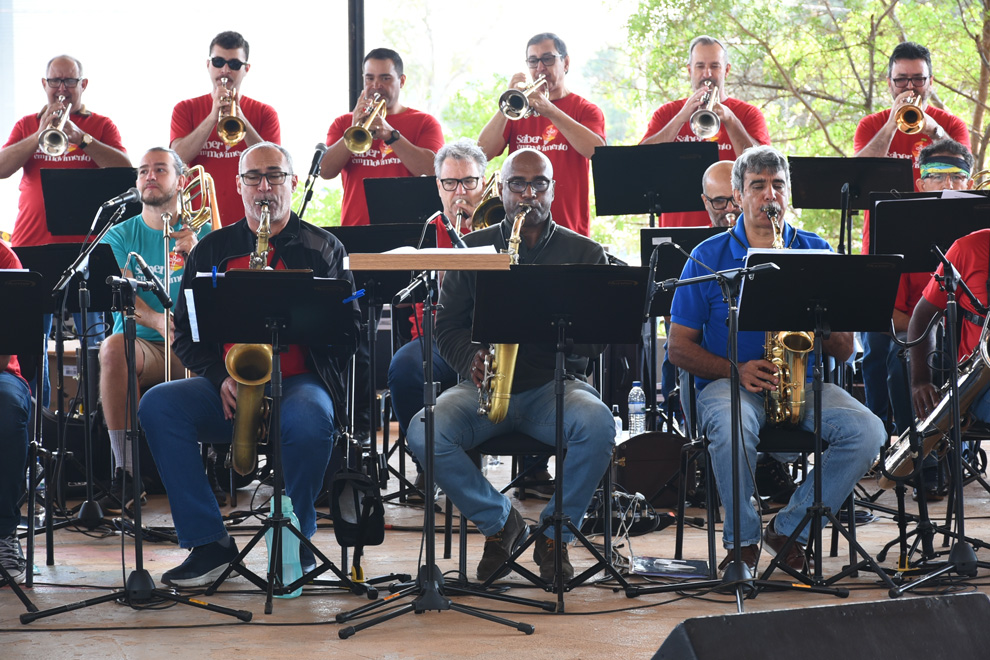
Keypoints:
pixel 90 514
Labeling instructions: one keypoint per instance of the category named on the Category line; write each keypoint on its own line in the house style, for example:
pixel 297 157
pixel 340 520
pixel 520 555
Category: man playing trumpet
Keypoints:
pixel 741 125
pixel 566 128
pixel 194 121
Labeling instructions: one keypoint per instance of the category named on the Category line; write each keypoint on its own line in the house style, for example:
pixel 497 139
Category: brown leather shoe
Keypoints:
pixel 795 556
pixel 750 555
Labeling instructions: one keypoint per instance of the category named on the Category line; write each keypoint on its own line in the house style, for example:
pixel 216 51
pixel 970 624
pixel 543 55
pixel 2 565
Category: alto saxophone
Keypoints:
pixel 788 351
pixel 500 363
pixel 251 366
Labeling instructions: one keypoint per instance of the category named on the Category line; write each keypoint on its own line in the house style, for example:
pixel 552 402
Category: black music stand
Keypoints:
pixel 845 184
pixel 288 307
pixel 840 293
pixel 22 298
pixel 897 227
pixel 561 305
pixel 139 588
pixel 65 271
pixel 404 199
pixel 70 195
pixel 651 178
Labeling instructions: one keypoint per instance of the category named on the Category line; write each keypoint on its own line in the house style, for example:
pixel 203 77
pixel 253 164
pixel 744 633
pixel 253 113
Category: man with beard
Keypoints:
pixel 527 185
pixel 742 124
pixel 160 181
pixel 178 414
pixel 698 341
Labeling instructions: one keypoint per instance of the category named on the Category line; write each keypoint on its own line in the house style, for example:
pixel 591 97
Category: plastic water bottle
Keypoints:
pixel 617 418
pixel 291 568
pixel 637 409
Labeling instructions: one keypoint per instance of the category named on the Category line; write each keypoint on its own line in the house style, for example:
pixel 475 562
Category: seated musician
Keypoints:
pixel 177 415
pixel 527 186
pixel 698 340
pixel 160 182
pixel 15 414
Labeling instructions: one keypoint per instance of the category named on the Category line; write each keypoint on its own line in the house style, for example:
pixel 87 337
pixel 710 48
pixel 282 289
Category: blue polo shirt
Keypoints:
pixel 700 306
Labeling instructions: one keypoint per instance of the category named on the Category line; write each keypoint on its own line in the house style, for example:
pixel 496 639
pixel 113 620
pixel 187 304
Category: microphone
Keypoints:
pixel 454 236
pixel 314 168
pixel 128 197
pixel 405 293
pixel 156 283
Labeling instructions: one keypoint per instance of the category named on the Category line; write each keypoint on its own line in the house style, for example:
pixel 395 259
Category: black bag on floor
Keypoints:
pixel 357 509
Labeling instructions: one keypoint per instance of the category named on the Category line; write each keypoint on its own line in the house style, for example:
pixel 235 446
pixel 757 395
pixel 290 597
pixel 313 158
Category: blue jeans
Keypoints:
pixel 177 416
pixel 884 379
pixel 589 435
pixel 406 380
pixel 15 415
pixel 854 435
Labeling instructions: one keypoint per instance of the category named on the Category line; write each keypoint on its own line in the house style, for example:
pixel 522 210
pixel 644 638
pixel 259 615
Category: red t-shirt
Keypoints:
pixel 571 207
pixel 971 257
pixel 752 120
pixel 380 161
pixel 293 360
pixel 904 145
pixel 30 227
pixel 909 291
pixel 219 160
pixel 9 261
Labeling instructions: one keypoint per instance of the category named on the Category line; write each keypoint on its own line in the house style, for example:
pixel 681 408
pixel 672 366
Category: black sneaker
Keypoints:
pixel 116 500
pixel 543 556
pixel 774 481
pixel 12 558
pixel 203 565
pixel 539 485
pixel 500 545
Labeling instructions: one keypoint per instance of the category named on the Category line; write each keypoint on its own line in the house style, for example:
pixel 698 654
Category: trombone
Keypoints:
pixel 230 127
pixel 514 103
pixel 704 122
pixel 490 211
pixel 53 140
pixel 910 117
pixel 358 138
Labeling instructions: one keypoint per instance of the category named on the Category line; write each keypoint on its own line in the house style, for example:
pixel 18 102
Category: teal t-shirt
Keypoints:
pixel 133 235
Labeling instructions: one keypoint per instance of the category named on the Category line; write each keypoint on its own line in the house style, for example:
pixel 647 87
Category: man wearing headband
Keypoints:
pixel 194 123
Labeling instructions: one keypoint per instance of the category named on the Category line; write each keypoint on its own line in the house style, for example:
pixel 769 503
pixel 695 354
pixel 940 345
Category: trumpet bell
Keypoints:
pixel 53 142
pixel 231 130
pixel 910 118
pixel 357 139
pixel 705 124
pixel 514 103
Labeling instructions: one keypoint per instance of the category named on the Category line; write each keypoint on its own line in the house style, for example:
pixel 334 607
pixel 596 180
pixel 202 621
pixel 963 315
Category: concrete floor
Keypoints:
pixel 597 622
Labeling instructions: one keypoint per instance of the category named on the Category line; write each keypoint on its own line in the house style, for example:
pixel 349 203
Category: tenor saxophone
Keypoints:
pixel 250 365
pixel 788 351
pixel 500 363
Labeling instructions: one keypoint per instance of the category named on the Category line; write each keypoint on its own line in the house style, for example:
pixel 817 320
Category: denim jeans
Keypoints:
pixel 854 435
pixel 15 415
pixel 589 435
pixel 884 379
pixel 406 380
pixel 177 416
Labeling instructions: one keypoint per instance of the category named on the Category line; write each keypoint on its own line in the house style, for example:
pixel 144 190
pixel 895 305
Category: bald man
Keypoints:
pixel 716 186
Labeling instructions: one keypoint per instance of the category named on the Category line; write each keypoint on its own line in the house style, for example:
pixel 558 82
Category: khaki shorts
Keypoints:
pixel 154 364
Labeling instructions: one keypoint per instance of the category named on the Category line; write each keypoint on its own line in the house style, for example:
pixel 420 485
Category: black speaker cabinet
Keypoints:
pixel 956 626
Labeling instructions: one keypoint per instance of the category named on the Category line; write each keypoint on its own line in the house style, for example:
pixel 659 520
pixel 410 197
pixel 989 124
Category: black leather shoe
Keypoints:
pixel 500 545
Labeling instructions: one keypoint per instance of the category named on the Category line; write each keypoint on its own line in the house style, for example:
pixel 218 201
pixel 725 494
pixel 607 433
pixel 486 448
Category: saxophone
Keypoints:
pixel 788 351
pixel 251 366
pixel 500 363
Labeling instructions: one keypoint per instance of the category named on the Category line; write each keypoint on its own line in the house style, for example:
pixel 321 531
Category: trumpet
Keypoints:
pixel 704 122
pixel 230 127
pixel 910 117
pixel 53 140
pixel 514 103
pixel 358 138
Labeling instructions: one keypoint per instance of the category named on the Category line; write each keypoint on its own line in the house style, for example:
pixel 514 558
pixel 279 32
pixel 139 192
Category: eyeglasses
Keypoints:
pixel 720 203
pixel 548 60
pixel 469 183
pixel 916 81
pixel 254 178
pixel 958 178
pixel 218 62
pixel 518 185
pixel 69 83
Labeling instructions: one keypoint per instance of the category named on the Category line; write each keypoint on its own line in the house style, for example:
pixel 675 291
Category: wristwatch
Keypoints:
pixel 394 137
pixel 86 140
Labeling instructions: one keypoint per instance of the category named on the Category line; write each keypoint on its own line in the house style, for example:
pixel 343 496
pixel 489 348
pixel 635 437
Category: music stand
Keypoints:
pixel 65 272
pixel 549 304
pixel 71 194
pixel 845 184
pixel 288 307
pixel 898 225
pixel 404 199
pixel 22 297
pixel 840 293
pixel 651 178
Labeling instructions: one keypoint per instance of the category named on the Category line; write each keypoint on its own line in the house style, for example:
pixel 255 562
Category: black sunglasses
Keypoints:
pixel 218 62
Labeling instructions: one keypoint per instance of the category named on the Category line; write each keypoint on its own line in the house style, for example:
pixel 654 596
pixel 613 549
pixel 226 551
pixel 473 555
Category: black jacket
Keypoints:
pixel 299 245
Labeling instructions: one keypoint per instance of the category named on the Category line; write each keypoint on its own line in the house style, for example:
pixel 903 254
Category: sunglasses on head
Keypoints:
pixel 234 65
